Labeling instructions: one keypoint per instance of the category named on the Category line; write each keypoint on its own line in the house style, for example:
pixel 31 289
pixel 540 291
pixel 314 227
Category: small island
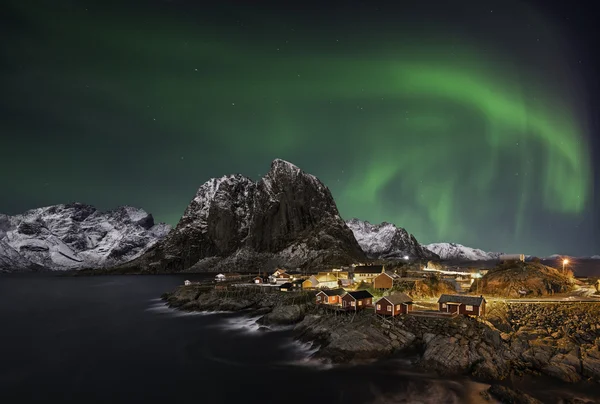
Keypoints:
pixel 527 319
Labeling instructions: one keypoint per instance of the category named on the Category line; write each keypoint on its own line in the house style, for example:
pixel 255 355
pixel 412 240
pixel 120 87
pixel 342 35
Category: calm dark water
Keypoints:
pixel 111 340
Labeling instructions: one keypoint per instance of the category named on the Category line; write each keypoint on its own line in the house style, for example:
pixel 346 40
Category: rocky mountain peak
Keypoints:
pixel 455 251
pixel 74 236
pixel 288 216
pixel 387 241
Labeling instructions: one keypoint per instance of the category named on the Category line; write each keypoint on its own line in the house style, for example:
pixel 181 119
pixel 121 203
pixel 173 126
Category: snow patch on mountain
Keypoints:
pixel 454 251
pixel 76 236
pixel 386 241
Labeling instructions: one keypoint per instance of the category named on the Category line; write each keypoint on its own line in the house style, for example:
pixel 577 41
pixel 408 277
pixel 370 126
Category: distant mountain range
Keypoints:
pixel 75 236
pixel 288 218
pixel 386 241
pixel 454 251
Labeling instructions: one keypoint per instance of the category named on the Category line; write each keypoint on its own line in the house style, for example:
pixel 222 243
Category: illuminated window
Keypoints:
pixel 319 298
pixel 398 307
pixel 352 304
pixel 444 305
pixel 360 302
pixel 378 307
pixel 469 308
pixel 389 308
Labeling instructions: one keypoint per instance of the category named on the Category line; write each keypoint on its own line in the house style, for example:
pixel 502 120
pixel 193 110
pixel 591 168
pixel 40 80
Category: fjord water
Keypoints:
pixel 109 339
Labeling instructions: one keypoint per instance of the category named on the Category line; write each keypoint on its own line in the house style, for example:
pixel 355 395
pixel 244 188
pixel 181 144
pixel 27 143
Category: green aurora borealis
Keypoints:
pixel 481 140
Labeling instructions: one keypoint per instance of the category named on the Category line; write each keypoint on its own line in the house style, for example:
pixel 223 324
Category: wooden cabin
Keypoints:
pixel 385 280
pixel 286 287
pixel 366 273
pixel 331 296
pixel 467 305
pixel 357 300
pixel 258 280
pixel 392 305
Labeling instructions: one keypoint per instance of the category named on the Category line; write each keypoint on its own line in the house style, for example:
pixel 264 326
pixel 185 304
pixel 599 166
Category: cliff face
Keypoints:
pixel 288 218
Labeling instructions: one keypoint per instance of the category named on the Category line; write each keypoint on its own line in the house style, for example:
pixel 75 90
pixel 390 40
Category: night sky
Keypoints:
pixel 465 121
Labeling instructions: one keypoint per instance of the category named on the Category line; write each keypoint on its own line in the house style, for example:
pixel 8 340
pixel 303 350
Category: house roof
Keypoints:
pixel 312 279
pixel 360 294
pixel 390 274
pixel 333 292
pixel 326 278
pixel 368 269
pixel 286 285
pixel 470 300
pixel 398 298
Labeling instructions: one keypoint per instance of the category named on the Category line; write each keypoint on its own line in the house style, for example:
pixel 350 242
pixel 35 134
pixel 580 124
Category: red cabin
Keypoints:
pixel 357 300
pixel 467 305
pixel 331 296
pixel 392 305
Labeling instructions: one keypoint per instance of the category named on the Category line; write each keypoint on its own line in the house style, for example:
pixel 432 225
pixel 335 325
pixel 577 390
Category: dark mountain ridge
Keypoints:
pixel 288 218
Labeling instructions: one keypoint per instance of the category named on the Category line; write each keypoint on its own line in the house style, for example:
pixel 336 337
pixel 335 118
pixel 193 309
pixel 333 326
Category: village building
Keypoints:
pixel 467 305
pixel 392 305
pixel 327 281
pixel 357 300
pixel 385 280
pixel 286 287
pixel 259 280
pixel 331 296
pixel 187 283
pixel 279 277
pixel 310 283
pixel 298 283
pixel 366 273
pixel 232 276
pixel 345 283
pixel 338 274
pixel 220 278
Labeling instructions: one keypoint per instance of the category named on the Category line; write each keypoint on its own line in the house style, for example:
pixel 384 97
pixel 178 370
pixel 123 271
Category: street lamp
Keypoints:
pixel 406 257
pixel 565 262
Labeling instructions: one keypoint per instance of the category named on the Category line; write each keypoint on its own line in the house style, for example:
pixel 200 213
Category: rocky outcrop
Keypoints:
pixel 75 236
pixel 288 218
pixel 519 279
pixel 561 341
pixel 385 241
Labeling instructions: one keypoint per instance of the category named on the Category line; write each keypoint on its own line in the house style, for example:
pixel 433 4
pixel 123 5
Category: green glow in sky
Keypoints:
pixel 453 140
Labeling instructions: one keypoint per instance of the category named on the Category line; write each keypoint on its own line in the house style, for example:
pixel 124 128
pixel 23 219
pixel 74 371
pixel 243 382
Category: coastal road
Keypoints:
pixel 567 299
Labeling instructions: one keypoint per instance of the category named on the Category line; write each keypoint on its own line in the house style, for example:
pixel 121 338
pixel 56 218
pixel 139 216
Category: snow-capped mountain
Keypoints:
pixel 595 257
pixel 75 236
pixel 453 251
pixel 386 241
pixel 288 218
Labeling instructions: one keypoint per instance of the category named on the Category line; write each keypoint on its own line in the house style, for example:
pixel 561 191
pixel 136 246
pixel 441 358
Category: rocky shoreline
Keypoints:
pixel 561 341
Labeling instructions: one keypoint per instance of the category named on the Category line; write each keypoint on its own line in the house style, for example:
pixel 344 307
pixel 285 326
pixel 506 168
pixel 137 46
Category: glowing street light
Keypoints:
pixel 406 257
pixel 565 262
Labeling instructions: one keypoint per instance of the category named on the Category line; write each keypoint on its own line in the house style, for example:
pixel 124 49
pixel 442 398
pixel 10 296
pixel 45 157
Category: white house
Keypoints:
pixel 187 283
pixel 220 278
